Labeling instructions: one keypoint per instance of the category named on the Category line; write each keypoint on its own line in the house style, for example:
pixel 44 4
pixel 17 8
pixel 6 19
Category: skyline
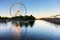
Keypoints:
pixel 37 8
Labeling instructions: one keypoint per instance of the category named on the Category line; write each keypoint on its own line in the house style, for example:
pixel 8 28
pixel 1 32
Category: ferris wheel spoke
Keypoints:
pixel 18 11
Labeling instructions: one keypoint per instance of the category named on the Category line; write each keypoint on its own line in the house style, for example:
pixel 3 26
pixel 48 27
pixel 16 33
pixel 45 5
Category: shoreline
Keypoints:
pixel 52 20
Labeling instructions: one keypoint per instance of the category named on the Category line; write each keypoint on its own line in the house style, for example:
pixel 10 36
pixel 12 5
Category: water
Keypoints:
pixel 38 30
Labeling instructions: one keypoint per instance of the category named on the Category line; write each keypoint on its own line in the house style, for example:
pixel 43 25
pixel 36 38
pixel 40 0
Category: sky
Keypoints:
pixel 37 8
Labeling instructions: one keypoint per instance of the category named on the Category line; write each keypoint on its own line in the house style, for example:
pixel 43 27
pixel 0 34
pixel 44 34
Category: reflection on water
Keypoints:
pixel 26 23
pixel 16 29
pixel 29 30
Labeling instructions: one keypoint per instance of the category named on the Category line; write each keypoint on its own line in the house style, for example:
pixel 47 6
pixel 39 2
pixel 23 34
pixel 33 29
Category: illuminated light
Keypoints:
pixel 17 12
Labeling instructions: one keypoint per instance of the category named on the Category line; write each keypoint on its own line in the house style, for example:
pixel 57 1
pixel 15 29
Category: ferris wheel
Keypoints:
pixel 17 9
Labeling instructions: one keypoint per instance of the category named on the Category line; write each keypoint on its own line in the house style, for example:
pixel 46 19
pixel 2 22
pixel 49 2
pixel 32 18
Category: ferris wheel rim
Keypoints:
pixel 16 4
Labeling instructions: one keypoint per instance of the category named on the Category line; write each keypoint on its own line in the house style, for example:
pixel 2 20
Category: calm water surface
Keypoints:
pixel 38 30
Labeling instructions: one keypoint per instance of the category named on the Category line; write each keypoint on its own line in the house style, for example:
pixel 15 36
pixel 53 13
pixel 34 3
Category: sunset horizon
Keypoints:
pixel 29 19
pixel 37 8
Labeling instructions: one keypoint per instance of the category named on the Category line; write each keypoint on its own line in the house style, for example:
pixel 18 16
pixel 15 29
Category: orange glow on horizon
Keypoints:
pixel 36 16
pixel 42 16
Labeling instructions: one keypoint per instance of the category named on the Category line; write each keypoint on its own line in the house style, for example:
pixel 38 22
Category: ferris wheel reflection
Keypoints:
pixel 16 30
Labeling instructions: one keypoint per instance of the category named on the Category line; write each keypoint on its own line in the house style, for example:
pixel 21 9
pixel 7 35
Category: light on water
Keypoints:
pixel 38 30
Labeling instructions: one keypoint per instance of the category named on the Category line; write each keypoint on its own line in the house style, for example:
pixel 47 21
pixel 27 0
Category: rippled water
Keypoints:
pixel 38 30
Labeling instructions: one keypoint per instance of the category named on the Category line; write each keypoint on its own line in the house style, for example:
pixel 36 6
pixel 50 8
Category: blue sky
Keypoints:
pixel 37 8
